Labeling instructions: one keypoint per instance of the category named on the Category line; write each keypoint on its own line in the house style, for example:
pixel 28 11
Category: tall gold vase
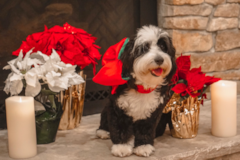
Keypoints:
pixel 185 116
pixel 73 103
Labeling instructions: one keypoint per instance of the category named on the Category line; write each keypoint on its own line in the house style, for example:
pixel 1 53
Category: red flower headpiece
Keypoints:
pixel 111 72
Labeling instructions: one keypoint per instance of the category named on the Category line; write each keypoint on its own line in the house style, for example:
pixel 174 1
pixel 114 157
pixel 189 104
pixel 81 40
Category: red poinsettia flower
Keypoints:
pixel 210 80
pixel 195 81
pixel 183 67
pixel 74 45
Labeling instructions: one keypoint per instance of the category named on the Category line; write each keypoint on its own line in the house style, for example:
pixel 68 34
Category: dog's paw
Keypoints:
pixel 144 150
pixel 122 150
pixel 131 141
pixel 103 134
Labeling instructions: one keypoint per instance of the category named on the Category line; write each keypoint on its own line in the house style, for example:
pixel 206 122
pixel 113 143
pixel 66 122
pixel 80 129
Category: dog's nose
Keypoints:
pixel 159 60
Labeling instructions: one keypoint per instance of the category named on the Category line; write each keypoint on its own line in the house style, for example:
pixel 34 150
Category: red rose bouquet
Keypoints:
pixel 190 82
pixel 73 45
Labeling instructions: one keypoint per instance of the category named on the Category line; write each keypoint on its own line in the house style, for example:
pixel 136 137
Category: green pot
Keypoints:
pixel 47 122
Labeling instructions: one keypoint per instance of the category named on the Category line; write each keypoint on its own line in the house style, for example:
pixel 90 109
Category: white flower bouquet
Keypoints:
pixel 36 70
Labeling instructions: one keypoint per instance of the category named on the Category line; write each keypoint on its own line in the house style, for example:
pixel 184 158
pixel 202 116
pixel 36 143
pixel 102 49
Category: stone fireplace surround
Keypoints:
pixel 208 30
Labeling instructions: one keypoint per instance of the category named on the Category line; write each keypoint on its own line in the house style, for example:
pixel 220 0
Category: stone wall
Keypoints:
pixel 208 30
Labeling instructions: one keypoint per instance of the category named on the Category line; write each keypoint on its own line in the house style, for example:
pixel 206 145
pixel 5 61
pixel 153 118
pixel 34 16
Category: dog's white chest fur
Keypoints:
pixel 139 105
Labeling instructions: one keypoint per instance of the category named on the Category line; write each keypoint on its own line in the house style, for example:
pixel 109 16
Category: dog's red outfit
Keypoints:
pixel 111 72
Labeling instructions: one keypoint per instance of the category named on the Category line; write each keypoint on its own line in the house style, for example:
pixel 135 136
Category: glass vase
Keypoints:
pixel 47 121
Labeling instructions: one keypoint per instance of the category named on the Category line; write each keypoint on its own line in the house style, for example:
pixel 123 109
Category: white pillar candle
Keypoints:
pixel 224 108
pixel 21 128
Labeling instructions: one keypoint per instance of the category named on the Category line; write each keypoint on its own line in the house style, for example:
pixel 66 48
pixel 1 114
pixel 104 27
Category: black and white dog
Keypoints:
pixel 131 119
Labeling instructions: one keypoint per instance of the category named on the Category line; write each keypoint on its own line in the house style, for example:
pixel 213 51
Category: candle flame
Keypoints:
pixel 20 99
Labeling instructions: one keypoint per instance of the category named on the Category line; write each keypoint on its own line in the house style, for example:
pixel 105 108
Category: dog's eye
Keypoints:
pixel 145 48
pixel 162 44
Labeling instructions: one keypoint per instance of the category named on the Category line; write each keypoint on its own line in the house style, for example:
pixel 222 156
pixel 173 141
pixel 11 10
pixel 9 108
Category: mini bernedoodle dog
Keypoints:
pixel 132 119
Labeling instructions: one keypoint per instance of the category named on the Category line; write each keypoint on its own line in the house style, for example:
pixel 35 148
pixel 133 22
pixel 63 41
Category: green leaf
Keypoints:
pixel 183 97
pixel 204 91
pixel 182 81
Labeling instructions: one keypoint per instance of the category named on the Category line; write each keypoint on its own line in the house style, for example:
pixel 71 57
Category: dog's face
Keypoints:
pixel 150 57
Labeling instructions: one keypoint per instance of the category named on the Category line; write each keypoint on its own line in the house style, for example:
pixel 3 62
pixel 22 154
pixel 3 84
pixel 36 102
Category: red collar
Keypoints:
pixel 141 89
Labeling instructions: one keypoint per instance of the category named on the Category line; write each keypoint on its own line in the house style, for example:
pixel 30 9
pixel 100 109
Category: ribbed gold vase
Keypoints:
pixel 185 116
pixel 73 102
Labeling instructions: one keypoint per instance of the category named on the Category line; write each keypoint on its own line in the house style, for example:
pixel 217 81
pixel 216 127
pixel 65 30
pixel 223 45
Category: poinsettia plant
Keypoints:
pixel 37 71
pixel 74 45
pixel 190 82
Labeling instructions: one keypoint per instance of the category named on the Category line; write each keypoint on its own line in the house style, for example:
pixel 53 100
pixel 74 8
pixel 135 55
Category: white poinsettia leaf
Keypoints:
pixel 16 77
pixel 28 54
pixel 31 79
pixel 55 88
pixel 55 74
pixel 44 68
pixel 6 88
pixel 54 56
pixel 76 79
pixel 70 65
pixel 7 67
pixel 38 71
pixel 25 60
pixel 16 87
pixel 33 91
pixel 13 61
pixel 8 78
pixel 63 82
pixel 57 67
pixel 20 55
pixel 69 69
pixel 7 84
pixel 40 56
pixel 33 62
pixel 18 59
pixel 50 79
pixel 45 57
pixel 19 65
pixel 14 69
pixel 67 74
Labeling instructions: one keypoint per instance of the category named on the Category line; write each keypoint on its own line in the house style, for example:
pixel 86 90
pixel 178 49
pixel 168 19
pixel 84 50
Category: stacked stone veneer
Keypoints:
pixel 208 30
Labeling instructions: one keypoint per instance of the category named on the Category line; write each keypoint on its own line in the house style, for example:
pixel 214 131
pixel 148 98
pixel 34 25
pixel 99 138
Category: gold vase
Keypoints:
pixel 185 116
pixel 73 103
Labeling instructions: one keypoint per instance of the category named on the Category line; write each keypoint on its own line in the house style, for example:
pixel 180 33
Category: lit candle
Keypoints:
pixel 224 108
pixel 21 128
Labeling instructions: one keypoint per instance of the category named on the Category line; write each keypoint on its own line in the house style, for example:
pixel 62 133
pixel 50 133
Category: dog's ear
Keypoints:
pixel 173 70
pixel 171 52
pixel 127 59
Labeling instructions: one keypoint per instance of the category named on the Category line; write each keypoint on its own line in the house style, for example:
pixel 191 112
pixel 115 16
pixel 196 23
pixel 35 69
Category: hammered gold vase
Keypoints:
pixel 185 116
